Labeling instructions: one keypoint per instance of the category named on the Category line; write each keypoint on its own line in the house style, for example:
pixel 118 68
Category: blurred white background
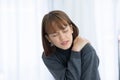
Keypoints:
pixel 20 35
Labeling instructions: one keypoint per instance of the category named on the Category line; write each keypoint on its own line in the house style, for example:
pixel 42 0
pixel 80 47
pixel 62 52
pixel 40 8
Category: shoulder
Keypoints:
pixel 89 55
pixel 88 49
pixel 44 57
pixel 48 59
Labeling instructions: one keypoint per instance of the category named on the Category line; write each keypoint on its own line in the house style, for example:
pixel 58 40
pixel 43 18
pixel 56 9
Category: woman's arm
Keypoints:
pixel 71 72
pixel 89 64
pixel 89 59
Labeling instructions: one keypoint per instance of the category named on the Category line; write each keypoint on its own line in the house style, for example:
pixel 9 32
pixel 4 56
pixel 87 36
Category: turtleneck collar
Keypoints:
pixel 62 51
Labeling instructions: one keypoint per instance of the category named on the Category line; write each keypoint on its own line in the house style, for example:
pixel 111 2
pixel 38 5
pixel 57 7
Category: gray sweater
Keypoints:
pixel 71 65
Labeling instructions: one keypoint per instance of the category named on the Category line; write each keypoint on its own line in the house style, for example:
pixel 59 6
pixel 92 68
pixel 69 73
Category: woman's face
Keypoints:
pixel 63 38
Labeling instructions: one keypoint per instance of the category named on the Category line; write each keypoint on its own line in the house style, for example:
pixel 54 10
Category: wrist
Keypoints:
pixel 78 48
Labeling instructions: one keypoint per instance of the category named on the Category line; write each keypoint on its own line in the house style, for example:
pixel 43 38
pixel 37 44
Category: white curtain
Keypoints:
pixel 20 39
pixel 20 35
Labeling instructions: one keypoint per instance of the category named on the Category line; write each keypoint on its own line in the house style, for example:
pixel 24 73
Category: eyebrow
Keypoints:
pixel 54 33
pixel 65 27
pixel 59 30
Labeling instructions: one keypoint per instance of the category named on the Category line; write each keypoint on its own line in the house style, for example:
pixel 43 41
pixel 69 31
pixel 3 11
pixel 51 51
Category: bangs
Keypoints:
pixel 55 24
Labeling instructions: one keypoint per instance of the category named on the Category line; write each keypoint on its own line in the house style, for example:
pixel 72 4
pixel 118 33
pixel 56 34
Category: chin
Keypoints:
pixel 66 47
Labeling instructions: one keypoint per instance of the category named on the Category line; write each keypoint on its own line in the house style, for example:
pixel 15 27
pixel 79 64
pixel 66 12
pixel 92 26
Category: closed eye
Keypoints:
pixel 65 31
pixel 54 35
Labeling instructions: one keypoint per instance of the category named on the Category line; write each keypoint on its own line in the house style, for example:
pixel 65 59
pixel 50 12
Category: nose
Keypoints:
pixel 62 36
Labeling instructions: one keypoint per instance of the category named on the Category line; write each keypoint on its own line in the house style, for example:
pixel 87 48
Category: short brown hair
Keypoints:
pixel 51 22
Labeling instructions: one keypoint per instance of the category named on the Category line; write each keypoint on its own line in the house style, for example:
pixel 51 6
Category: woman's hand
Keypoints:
pixel 79 43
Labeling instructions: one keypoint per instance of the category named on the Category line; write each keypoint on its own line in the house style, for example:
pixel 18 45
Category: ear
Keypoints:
pixel 47 37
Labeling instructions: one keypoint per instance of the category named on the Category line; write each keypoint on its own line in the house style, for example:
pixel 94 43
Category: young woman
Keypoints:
pixel 67 55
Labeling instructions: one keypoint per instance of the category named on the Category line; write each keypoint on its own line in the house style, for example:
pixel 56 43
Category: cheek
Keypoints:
pixel 70 35
pixel 54 40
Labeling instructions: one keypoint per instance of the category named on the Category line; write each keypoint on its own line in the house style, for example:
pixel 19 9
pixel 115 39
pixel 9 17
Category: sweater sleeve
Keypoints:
pixel 71 72
pixel 89 64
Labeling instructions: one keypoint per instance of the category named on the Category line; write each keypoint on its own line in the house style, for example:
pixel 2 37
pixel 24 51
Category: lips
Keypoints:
pixel 64 43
